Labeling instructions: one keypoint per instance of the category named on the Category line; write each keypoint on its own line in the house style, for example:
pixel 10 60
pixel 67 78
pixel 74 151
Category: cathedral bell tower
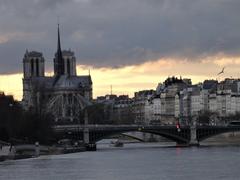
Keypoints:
pixel 69 63
pixel 33 64
pixel 64 61
pixel 33 69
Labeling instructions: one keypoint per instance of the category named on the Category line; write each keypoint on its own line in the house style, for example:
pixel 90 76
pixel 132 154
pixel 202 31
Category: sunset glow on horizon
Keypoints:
pixel 129 79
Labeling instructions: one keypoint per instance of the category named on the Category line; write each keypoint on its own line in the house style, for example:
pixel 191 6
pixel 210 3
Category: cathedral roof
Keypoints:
pixel 44 82
pixel 73 82
pixel 63 82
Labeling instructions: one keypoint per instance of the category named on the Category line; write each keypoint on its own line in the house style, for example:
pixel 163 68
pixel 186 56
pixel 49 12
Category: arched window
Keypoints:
pixel 37 67
pixel 68 66
pixel 32 67
pixel 70 98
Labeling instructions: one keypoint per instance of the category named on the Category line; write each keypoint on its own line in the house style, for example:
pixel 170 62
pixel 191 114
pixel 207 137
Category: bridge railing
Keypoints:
pixel 110 126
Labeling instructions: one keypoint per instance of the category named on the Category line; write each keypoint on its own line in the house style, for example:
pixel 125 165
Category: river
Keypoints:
pixel 152 161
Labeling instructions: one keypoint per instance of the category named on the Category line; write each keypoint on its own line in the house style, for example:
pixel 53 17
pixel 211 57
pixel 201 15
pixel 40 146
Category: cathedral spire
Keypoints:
pixel 59 58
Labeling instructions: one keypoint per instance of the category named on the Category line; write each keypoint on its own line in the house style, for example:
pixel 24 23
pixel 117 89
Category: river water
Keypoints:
pixel 131 162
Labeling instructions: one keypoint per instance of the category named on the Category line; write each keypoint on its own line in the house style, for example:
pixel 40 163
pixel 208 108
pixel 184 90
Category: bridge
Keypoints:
pixel 205 132
pixel 99 132
pixel 184 135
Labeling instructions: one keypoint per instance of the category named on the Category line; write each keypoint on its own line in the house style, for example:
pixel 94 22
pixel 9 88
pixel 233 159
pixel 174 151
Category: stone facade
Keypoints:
pixel 64 95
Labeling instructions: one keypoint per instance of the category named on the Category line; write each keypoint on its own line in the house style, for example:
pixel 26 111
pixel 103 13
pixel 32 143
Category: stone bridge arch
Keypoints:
pixel 182 137
pixel 205 132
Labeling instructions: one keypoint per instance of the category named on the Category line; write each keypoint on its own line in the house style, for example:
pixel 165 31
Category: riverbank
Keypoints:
pixel 226 139
pixel 31 151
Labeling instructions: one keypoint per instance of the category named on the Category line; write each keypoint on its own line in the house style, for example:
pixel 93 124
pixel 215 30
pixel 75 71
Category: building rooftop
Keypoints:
pixel 210 84
pixel 33 54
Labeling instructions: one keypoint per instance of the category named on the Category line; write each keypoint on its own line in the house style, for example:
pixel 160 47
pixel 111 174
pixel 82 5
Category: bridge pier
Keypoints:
pixel 37 149
pixel 89 146
pixel 86 136
pixel 193 140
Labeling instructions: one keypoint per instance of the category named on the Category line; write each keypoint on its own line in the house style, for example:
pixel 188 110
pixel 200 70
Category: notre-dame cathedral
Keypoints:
pixel 64 94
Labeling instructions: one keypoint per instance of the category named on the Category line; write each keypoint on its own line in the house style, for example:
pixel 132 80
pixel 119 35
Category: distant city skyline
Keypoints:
pixel 130 79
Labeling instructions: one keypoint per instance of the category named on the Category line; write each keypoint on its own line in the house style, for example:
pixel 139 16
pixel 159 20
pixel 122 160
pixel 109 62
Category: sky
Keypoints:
pixel 129 44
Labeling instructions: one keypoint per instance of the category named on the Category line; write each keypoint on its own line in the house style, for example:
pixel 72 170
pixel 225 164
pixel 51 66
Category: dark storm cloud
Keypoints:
pixel 117 33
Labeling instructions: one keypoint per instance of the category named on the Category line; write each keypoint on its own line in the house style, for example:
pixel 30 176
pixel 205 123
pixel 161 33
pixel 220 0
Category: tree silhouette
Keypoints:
pixel 19 125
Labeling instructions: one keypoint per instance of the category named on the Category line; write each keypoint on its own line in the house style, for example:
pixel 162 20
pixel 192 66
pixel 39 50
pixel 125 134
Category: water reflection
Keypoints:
pixel 133 161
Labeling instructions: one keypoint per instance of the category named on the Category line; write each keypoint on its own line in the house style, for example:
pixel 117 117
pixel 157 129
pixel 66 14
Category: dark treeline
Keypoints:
pixel 210 118
pixel 106 114
pixel 20 126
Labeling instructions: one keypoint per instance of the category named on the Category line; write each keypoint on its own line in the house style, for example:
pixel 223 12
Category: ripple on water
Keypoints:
pixel 133 161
